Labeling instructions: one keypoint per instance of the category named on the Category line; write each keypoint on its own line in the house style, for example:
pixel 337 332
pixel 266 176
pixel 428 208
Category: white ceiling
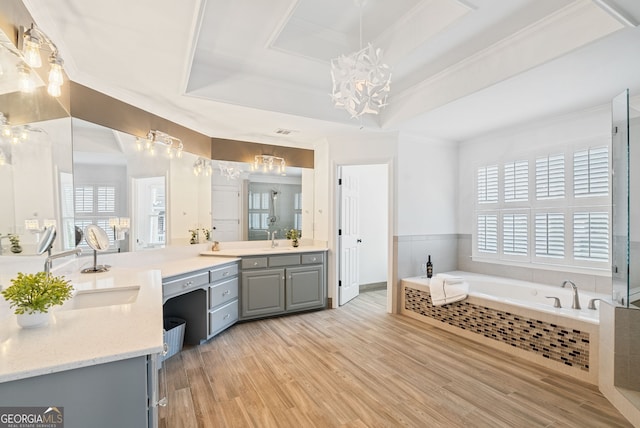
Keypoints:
pixel 242 69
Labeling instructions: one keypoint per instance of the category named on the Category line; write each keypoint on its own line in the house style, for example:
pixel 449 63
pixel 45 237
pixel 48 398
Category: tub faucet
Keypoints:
pixel 576 300
pixel 49 261
pixel 274 244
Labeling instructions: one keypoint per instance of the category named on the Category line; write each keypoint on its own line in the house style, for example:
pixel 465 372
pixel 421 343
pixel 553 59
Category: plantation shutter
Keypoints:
pixel 84 199
pixel 488 184
pixel 487 236
pixel 516 181
pixel 550 177
pixel 591 236
pixel 591 172
pixel 515 229
pixel 549 230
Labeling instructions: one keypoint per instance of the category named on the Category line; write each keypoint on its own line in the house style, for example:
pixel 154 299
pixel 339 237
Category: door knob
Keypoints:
pixel 359 241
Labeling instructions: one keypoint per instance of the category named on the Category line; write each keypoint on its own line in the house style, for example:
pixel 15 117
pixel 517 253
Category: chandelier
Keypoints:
pixel 361 81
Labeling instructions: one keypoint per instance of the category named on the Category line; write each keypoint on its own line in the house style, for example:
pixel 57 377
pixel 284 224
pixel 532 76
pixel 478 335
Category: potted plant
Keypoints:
pixel 33 294
pixel 293 234
pixel 16 248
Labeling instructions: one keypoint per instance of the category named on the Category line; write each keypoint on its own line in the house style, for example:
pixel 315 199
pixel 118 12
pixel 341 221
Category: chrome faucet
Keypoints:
pixel 274 244
pixel 576 300
pixel 49 261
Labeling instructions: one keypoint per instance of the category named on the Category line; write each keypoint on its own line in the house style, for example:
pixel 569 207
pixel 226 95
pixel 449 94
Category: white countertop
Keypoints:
pixel 83 337
pixel 263 251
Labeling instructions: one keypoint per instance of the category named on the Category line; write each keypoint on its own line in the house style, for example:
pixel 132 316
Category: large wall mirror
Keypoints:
pixel 146 197
pixel 36 174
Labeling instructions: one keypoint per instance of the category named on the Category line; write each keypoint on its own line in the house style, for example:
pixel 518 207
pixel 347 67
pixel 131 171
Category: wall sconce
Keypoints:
pixel 173 146
pixel 120 226
pixel 202 167
pixel 32 40
pixel 268 163
pixel 15 134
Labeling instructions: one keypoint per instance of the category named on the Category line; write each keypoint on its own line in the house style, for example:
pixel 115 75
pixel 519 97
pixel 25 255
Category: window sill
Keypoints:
pixel 601 272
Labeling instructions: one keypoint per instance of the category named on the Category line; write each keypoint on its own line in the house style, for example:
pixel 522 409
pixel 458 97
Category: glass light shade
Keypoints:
pixel 6 130
pixel 25 81
pixel 32 224
pixel 31 51
pixel 55 72
pixel 54 89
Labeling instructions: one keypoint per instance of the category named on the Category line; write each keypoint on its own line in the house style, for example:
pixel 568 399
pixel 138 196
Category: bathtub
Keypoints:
pixel 516 317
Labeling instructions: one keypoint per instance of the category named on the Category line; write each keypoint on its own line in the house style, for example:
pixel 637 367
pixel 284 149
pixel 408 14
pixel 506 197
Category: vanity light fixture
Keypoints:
pixel 202 166
pixel 269 164
pixel 229 171
pixel 32 40
pixel 5 126
pixel 120 226
pixel 173 145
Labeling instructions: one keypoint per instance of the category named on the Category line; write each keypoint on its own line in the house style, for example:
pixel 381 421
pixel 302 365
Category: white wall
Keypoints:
pixel 427 186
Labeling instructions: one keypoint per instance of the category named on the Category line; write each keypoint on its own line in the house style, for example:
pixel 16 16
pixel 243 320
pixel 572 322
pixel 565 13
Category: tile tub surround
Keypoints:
pixel 566 345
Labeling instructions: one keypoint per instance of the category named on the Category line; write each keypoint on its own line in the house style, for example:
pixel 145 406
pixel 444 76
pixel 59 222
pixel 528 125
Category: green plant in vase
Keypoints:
pixel 32 295
pixel 16 248
pixel 294 235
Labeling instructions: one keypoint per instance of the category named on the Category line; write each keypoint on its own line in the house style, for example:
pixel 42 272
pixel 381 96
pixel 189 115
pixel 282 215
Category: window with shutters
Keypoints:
pixel 95 204
pixel 487 184
pixel 516 181
pixel 557 215
pixel 487 237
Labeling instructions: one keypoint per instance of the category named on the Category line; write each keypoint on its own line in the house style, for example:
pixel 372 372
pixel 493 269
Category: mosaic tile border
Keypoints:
pixel 551 341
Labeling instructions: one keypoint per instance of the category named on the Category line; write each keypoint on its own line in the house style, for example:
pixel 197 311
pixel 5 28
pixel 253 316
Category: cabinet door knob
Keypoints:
pixel 226 316
pixel 188 284
pixel 313 259
pixel 225 292
pixel 225 274
pixel 255 263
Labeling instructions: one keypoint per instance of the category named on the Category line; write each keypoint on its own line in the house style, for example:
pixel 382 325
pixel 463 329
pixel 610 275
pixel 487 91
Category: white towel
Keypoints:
pixel 447 289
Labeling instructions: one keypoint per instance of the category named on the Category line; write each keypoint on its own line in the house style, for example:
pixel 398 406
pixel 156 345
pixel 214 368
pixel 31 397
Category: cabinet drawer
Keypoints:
pixel 223 273
pixel 312 258
pixel 223 317
pixel 223 292
pixel 285 260
pixel 254 262
pixel 184 284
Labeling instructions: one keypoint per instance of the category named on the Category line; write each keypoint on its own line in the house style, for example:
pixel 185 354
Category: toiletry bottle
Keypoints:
pixel 429 267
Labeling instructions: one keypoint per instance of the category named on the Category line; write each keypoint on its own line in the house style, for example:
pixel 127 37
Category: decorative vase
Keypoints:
pixel 34 320
pixel 16 249
pixel 295 243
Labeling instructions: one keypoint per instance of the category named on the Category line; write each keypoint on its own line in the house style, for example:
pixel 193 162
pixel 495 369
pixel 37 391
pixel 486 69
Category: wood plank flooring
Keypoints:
pixel 359 367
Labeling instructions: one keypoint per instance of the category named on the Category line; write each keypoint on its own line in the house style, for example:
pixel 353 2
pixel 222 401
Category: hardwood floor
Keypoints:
pixel 359 367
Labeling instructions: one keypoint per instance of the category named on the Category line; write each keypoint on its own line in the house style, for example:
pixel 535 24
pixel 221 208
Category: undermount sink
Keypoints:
pixel 103 297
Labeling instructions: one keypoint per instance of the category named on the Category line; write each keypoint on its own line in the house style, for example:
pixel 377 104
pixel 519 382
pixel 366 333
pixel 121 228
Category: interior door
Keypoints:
pixel 225 213
pixel 348 235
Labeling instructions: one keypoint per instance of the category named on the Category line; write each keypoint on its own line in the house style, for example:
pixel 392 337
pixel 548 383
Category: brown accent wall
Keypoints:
pixel 245 151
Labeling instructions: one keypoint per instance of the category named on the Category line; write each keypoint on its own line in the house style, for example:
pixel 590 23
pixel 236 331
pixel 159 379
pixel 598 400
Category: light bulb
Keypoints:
pixel 31 50
pixel 55 72
pixel 25 81
pixel 138 144
pixel 6 130
pixel 3 158
pixel 54 89
pixel 15 139
pixel 24 134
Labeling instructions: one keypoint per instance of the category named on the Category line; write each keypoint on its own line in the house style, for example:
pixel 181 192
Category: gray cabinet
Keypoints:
pixel 279 284
pixel 114 394
pixel 262 293
pixel 206 299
